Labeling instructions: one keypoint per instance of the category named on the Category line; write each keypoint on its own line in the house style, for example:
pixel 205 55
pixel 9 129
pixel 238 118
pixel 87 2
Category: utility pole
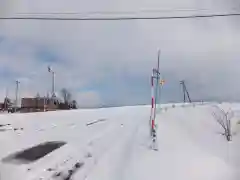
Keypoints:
pixel 53 81
pixel 185 91
pixel 17 87
pixel 157 72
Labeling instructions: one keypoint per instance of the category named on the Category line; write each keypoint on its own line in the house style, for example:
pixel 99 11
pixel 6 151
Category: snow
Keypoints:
pixel 114 144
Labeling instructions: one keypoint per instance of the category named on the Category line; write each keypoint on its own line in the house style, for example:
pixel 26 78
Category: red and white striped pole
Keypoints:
pixel 153 102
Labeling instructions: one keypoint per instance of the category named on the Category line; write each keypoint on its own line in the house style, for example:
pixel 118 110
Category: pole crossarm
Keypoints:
pixel 156 71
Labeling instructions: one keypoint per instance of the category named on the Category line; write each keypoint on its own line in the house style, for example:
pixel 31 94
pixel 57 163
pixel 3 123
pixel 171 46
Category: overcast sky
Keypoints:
pixel 110 62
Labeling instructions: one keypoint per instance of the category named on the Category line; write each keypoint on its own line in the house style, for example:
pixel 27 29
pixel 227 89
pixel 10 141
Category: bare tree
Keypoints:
pixel 224 119
pixel 74 104
pixel 37 95
pixel 7 103
pixel 66 95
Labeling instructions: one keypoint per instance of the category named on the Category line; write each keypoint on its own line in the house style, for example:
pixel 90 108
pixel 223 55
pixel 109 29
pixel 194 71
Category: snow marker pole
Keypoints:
pixel 153 102
pixel 153 113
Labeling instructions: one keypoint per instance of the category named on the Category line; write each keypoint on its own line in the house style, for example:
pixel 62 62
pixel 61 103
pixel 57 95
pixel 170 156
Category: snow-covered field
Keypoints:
pixel 114 144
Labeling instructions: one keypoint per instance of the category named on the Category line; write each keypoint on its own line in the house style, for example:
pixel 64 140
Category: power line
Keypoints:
pixel 121 18
pixel 143 11
pixel 118 12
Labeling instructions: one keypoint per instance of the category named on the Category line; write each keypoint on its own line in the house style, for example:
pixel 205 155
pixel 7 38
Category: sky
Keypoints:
pixel 109 63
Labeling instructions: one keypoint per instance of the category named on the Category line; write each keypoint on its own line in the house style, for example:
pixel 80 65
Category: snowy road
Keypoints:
pixel 113 144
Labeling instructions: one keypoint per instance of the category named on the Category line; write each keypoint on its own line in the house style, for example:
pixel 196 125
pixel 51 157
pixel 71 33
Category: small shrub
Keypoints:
pixel 224 119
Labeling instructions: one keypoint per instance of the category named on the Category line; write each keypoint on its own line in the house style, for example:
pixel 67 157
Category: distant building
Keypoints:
pixel 2 106
pixel 39 104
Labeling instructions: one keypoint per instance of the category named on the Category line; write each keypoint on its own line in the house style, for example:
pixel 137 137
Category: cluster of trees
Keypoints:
pixel 67 99
pixel 7 102
pixel 8 105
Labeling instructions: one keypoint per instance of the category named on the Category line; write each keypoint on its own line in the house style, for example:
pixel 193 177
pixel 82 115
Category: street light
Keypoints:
pixel 53 81
pixel 16 101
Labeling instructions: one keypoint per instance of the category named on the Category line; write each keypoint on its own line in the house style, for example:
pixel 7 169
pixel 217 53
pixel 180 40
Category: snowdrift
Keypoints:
pixel 114 144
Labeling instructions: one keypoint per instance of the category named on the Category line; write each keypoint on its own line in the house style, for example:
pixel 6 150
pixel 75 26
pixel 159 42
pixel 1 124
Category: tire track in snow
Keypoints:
pixel 116 162
pixel 115 148
pixel 99 145
pixel 127 151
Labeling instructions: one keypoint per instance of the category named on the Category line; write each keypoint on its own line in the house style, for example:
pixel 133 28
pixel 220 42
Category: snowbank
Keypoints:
pixel 114 143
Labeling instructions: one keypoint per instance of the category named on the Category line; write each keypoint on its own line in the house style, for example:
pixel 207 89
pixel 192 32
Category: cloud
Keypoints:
pixel 88 99
pixel 110 62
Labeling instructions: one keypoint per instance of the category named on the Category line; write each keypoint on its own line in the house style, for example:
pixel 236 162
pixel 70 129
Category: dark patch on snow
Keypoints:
pixel 17 129
pixel 57 174
pixel 88 155
pixel 97 121
pixel 50 169
pixel 78 165
pixel 2 125
pixel 34 153
pixel 68 175
pixel 72 171
pixel 12 129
